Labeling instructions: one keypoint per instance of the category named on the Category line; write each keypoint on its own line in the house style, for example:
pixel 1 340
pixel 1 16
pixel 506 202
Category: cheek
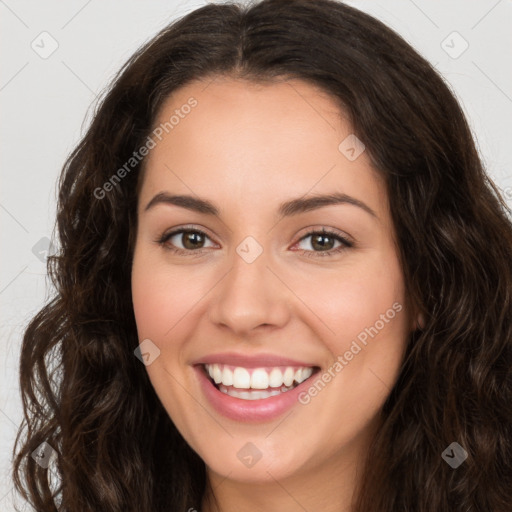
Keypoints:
pixel 366 314
pixel 149 303
pixel 362 302
pixel 161 301
pixel 161 294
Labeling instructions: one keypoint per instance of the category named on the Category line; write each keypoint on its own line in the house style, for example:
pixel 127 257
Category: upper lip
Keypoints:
pixel 250 361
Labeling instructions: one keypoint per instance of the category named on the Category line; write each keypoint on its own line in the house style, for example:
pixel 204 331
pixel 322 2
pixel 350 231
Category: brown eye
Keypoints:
pixel 191 240
pixel 322 243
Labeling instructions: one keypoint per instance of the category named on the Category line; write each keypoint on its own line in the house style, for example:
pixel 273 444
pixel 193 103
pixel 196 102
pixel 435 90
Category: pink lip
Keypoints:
pixel 246 361
pixel 249 410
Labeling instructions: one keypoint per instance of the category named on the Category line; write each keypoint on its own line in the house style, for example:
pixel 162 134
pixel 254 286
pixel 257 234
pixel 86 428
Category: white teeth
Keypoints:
pixel 241 378
pixel 252 395
pixel 306 373
pixel 258 378
pixel 227 376
pixel 288 376
pixel 217 374
pixel 275 378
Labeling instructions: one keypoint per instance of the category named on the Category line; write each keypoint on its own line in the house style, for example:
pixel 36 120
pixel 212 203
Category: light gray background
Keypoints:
pixel 47 102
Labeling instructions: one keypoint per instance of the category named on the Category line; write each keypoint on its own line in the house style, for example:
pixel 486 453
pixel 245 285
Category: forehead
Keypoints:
pixel 256 141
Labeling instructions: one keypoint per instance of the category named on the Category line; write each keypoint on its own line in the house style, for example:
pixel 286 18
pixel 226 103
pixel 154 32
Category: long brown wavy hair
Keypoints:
pixel 87 395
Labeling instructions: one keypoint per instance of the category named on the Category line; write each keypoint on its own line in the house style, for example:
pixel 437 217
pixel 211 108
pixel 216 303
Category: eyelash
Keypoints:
pixel 345 243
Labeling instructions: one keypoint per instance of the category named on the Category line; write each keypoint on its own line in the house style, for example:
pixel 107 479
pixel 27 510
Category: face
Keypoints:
pixel 256 290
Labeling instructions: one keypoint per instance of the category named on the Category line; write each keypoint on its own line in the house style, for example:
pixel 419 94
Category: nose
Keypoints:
pixel 250 297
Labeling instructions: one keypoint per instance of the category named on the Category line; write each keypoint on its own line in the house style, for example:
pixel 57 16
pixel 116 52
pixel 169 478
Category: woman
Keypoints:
pixel 284 282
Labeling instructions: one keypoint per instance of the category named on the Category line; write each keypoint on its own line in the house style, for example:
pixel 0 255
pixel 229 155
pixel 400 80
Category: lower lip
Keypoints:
pixel 238 409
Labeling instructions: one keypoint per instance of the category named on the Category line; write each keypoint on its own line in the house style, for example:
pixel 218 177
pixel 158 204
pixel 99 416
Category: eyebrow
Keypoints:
pixel 286 209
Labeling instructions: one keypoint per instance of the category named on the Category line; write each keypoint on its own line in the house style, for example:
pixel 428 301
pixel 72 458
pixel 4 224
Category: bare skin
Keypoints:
pixel 248 148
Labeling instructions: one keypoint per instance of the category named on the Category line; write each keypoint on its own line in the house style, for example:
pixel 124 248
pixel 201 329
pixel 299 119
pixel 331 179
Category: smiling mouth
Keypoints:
pixel 257 383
